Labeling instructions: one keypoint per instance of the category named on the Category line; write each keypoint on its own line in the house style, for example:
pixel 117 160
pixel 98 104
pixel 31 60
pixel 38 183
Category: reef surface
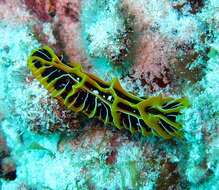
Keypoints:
pixel 153 47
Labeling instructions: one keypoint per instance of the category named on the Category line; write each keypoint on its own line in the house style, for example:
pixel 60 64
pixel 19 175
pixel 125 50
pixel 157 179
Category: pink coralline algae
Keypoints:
pixel 44 10
pixel 65 26
pixel 152 62
pixel 14 11
pixel 67 29
pixel 157 58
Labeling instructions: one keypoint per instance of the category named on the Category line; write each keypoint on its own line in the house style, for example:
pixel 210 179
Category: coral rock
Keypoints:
pixel 42 9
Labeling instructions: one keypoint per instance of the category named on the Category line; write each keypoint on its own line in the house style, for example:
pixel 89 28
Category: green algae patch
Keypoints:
pixel 212 53
pixel 37 147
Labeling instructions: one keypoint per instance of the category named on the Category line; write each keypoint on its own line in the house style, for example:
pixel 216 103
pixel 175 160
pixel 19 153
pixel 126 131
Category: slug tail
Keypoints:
pixel 160 114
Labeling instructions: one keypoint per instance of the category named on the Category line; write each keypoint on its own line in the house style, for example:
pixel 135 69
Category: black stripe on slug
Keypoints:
pixel 128 108
pixel 64 94
pixel 80 99
pixel 96 91
pixel 73 78
pixel 171 105
pixel 172 116
pixel 89 104
pixel 37 63
pixel 69 86
pixel 129 121
pixel 110 117
pixel 67 90
pixel 62 82
pixel 144 125
pixel 134 122
pixel 43 53
pixel 73 97
pixel 91 87
pixel 124 120
pixel 76 77
pixel 55 75
pixel 102 85
pixel 153 111
pixel 48 71
pixel 165 126
pixel 123 96
pixel 103 111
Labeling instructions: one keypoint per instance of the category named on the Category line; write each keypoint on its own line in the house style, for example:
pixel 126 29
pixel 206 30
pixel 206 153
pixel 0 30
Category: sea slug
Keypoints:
pixel 108 101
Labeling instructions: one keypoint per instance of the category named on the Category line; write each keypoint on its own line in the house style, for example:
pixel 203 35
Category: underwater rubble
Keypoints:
pixel 168 47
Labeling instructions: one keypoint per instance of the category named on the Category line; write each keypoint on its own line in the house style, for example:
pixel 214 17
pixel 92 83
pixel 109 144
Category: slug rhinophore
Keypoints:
pixel 108 101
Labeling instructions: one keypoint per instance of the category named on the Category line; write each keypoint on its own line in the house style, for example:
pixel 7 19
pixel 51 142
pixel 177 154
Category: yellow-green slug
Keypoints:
pixel 108 101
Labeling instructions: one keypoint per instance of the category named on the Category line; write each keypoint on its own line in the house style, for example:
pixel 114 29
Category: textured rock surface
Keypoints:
pixel 169 47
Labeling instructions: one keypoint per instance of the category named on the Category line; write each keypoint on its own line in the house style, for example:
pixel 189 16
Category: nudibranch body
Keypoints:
pixel 108 101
